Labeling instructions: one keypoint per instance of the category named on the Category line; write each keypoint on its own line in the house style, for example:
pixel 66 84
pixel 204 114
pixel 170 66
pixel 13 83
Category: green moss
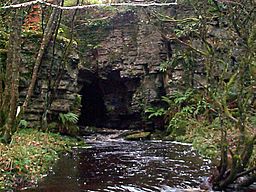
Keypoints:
pixel 32 33
pixel 3 51
pixel 69 2
pixel 4 35
pixel 74 2
pixel 203 136
pixel 3 40
pixel 92 33
pixel 3 44
pixel 138 136
pixel 113 56
pixel 53 127
pixel 39 34
pixel 28 157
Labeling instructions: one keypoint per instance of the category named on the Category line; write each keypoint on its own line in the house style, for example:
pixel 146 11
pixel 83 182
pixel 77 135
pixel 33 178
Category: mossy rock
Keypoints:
pixel 169 138
pixel 158 135
pixel 39 34
pixel 138 136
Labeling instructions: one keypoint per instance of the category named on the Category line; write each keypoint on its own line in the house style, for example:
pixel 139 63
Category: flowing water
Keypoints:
pixel 115 165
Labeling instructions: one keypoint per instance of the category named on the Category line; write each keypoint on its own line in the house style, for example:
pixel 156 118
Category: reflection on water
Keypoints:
pixel 117 165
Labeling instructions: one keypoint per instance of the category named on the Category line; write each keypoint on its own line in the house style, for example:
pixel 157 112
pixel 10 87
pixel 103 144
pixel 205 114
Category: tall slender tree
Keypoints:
pixel 9 96
pixel 10 82
pixel 48 34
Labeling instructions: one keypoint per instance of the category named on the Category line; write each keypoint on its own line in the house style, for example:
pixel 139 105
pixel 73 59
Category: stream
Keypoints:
pixel 115 165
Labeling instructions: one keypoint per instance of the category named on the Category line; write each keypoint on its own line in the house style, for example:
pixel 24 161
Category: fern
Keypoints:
pixel 67 123
pixel 68 118
pixel 23 123
pixel 155 112
pixel 179 97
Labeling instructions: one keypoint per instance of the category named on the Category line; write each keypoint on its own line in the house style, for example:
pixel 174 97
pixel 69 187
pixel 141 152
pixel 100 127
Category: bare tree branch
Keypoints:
pixel 187 45
pixel 246 172
pixel 20 5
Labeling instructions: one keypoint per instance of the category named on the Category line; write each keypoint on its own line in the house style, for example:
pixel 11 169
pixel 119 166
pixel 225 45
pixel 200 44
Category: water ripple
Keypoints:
pixel 117 165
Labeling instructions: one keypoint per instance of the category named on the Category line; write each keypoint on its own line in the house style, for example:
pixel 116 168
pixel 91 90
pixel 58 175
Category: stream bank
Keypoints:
pixel 30 156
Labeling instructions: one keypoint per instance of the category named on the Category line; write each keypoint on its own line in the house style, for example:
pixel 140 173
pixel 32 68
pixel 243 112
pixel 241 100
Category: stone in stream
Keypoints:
pixel 138 136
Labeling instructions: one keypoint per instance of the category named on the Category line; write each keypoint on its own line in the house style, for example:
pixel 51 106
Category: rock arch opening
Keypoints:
pixel 93 110
pixel 107 100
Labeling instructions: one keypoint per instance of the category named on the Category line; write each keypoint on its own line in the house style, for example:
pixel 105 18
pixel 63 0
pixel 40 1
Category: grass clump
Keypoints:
pixel 29 156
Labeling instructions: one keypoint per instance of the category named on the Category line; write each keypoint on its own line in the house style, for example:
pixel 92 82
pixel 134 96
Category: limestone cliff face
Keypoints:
pixel 126 64
pixel 56 88
pixel 115 68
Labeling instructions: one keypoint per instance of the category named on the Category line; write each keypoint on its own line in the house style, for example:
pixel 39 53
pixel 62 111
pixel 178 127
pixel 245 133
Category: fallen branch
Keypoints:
pixel 248 181
pixel 187 45
pixel 21 5
pixel 246 172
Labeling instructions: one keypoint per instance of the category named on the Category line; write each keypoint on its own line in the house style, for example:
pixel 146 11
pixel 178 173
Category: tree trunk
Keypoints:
pixel 12 79
pixel 46 39
pixel 1 97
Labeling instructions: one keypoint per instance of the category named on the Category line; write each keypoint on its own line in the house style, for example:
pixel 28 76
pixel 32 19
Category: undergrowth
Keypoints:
pixel 189 117
pixel 29 156
pixel 206 138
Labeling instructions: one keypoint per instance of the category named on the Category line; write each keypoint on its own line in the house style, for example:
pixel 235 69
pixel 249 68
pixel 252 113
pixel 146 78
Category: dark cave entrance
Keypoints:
pixel 93 110
pixel 106 100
